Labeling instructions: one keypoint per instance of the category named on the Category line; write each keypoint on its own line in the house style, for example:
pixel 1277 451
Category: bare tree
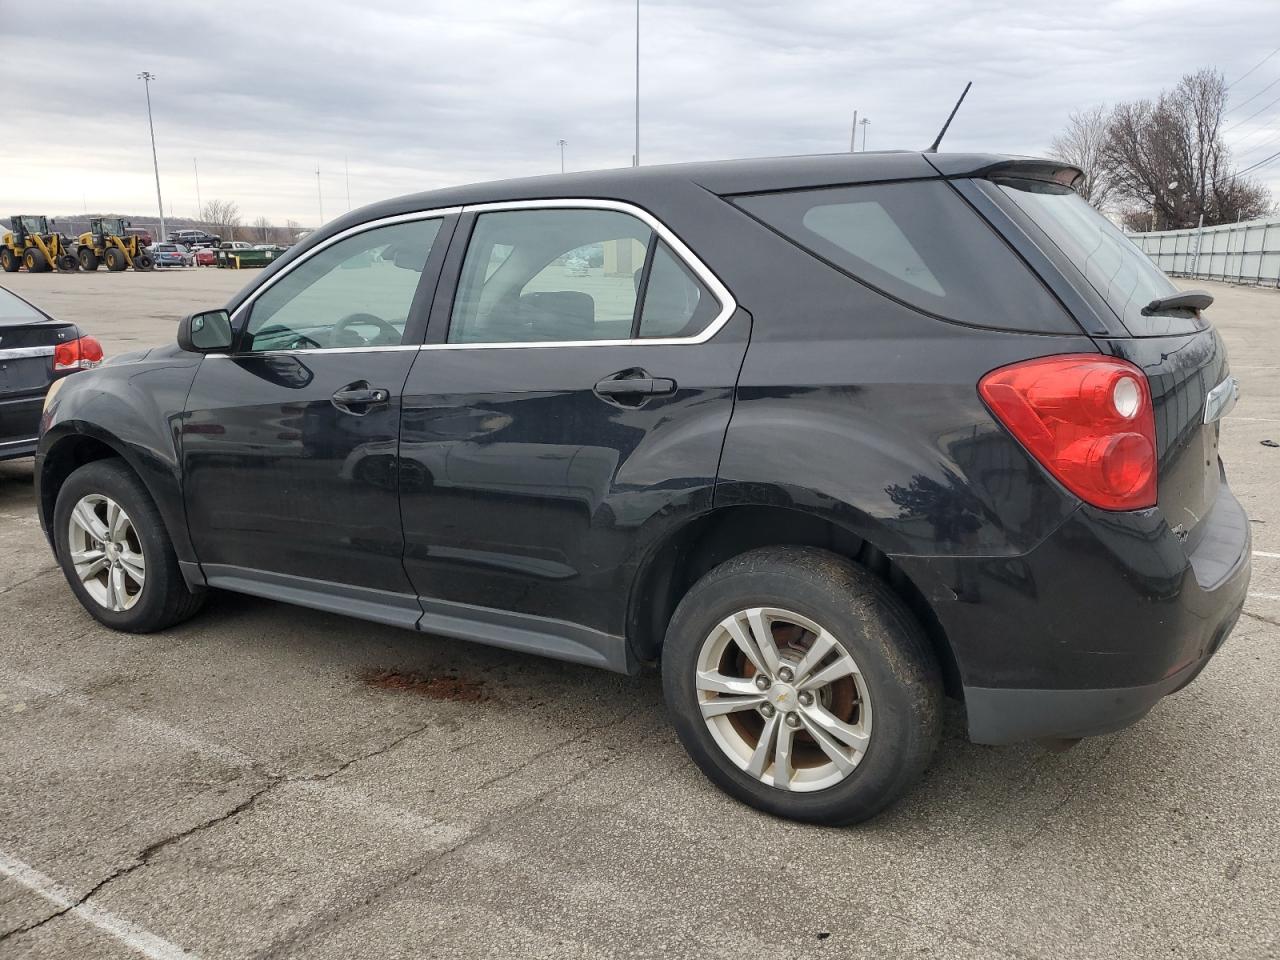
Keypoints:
pixel 1082 145
pixel 1168 157
pixel 263 227
pixel 223 216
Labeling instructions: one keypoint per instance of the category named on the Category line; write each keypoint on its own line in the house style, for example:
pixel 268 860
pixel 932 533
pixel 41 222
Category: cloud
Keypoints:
pixel 415 95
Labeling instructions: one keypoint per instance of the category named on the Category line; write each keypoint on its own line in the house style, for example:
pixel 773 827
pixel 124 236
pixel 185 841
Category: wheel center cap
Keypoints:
pixel 783 696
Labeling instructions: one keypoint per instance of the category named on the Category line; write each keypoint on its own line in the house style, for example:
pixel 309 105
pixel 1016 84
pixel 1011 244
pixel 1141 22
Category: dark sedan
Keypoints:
pixel 35 351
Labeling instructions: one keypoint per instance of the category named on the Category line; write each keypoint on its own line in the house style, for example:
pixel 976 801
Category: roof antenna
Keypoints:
pixel 943 132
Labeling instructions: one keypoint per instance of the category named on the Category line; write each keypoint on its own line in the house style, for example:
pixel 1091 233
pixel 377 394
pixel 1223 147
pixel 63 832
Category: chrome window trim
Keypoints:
pixel 728 305
pixel 17 353
pixel 718 290
pixel 14 443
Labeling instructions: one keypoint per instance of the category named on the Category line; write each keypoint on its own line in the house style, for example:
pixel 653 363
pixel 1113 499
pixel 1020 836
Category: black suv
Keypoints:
pixel 194 238
pixel 826 437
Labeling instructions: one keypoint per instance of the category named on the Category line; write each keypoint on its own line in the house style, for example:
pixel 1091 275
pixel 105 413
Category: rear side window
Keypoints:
pixel 921 244
pixel 1122 274
pixel 573 275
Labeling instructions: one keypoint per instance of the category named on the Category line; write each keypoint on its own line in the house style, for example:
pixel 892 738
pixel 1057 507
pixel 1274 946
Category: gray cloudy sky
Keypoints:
pixel 422 94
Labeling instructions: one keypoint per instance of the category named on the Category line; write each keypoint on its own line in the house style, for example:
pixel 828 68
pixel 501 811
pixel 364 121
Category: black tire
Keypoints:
pixel 897 665
pixel 9 261
pixel 115 259
pixel 143 261
pixel 35 261
pixel 88 259
pixel 67 263
pixel 164 599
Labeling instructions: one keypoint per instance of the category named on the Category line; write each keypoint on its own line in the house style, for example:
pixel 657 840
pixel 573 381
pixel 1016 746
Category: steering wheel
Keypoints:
pixel 384 329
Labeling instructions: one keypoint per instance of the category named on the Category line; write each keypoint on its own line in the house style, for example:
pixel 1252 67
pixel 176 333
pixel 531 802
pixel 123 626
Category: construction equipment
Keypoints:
pixel 107 241
pixel 32 244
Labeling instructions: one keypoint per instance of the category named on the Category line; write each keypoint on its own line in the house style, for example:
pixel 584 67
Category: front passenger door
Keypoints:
pixel 289 443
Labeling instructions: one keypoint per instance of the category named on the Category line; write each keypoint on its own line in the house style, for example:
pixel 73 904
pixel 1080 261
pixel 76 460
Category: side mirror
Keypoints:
pixel 206 332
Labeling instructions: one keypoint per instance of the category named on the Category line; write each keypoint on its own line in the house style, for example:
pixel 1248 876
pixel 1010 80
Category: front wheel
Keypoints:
pixel 115 552
pixel 801 685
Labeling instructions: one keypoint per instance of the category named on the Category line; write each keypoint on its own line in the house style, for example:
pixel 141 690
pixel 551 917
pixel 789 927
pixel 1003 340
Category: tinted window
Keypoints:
pixel 15 308
pixel 920 243
pixel 355 293
pixel 549 275
pixel 676 304
pixel 1121 273
pixel 566 275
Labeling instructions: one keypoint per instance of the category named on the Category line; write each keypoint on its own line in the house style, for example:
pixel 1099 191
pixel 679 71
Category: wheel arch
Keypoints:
pixel 704 542
pixel 77 444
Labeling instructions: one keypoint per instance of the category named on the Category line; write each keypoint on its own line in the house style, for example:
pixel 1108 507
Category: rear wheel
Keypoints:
pixel 88 259
pixel 801 685
pixel 115 552
pixel 116 260
pixel 9 261
pixel 35 261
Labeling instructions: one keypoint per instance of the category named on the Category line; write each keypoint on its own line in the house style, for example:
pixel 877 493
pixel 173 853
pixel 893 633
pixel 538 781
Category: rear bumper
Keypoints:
pixel 20 425
pixel 1086 633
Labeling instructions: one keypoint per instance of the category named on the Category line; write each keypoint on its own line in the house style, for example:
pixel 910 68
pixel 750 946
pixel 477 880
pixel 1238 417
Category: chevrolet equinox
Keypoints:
pixel 826 438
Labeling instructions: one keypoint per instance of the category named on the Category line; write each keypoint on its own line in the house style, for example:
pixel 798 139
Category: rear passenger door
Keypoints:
pixel 568 410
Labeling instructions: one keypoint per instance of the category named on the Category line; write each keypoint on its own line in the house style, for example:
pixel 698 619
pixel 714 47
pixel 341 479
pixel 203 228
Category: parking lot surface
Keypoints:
pixel 267 781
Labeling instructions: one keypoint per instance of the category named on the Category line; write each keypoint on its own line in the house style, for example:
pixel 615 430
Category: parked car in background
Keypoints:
pixel 35 352
pixel 904 424
pixel 235 254
pixel 142 233
pixel 195 238
pixel 172 255
pixel 205 256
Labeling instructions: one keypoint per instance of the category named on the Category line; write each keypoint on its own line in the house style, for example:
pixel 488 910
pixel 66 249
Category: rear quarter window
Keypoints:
pixel 920 243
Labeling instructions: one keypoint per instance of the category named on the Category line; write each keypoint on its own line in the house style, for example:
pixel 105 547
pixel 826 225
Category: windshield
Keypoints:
pixel 14 308
pixel 113 227
pixel 1114 266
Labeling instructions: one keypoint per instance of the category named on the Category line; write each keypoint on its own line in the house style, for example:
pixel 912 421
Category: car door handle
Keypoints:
pixel 630 385
pixel 359 395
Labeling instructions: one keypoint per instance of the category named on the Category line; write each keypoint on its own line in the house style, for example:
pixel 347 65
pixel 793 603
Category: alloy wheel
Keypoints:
pixel 106 552
pixel 784 699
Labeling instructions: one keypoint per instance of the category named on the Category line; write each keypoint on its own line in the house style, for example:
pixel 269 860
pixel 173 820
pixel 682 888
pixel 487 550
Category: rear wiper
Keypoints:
pixel 1186 300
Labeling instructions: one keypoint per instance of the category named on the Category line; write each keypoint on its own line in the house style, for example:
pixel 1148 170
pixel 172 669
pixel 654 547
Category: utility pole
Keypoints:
pixel 319 195
pixel 346 169
pixel 865 124
pixel 146 76
pixel 562 143
pixel 635 157
pixel 853 134
pixel 199 206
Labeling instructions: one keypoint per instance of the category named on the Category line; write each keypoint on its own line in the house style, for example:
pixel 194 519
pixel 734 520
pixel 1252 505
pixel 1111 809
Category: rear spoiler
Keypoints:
pixel 988 166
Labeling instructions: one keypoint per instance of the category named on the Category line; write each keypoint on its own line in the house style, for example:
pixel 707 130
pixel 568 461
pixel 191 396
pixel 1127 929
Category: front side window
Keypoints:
pixel 569 275
pixel 920 243
pixel 356 293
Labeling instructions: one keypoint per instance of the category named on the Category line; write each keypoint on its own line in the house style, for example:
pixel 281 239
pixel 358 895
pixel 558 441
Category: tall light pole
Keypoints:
pixel 146 76
pixel 319 195
pixel 346 169
pixel 853 134
pixel 863 123
pixel 199 206
pixel 635 157
pixel 563 144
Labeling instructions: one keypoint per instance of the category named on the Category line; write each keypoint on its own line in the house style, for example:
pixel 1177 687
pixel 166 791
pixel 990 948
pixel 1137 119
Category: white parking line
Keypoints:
pixel 130 934
pixel 149 727
pixel 1264 596
pixel 1264 553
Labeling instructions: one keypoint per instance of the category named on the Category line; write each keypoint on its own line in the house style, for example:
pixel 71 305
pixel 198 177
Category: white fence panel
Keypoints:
pixel 1236 252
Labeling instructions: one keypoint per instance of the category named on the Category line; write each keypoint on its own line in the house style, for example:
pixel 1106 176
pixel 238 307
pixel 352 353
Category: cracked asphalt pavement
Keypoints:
pixel 267 781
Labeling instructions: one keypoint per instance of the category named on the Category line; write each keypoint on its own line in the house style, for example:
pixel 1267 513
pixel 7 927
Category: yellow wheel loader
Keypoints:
pixel 107 242
pixel 30 243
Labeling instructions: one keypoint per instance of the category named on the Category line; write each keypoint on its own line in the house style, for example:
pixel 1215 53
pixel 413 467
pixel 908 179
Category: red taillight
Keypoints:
pixel 79 354
pixel 1087 419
